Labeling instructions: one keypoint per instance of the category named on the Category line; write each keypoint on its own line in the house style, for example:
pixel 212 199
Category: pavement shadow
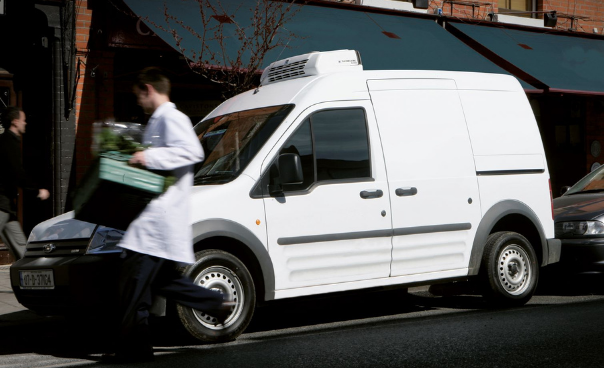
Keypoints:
pixel 559 282
pixel 79 336
pixel 306 312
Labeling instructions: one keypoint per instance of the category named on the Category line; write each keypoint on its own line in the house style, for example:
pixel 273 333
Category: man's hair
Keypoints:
pixel 9 114
pixel 155 77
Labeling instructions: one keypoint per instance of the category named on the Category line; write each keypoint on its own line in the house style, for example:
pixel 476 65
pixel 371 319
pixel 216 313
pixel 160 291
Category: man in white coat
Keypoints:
pixel 160 236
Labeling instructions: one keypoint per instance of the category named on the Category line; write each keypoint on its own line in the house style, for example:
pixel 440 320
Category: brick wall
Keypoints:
pixel 94 98
pixel 479 11
pixel 593 9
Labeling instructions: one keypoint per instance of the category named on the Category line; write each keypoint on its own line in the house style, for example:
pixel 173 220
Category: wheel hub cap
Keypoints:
pixel 514 270
pixel 226 282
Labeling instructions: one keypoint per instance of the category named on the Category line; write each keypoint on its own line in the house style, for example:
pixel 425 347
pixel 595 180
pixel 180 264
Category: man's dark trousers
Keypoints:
pixel 141 277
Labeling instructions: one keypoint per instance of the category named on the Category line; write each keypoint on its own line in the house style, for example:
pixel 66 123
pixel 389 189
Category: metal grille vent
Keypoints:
pixel 286 71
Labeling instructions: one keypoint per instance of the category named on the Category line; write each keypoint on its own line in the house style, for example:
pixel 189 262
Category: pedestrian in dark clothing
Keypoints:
pixel 161 236
pixel 13 177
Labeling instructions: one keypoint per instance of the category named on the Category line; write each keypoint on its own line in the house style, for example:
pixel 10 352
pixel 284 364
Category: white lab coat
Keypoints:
pixel 163 229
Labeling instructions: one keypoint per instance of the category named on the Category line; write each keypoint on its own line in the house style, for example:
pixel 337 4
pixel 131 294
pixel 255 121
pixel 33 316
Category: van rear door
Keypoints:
pixel 431 175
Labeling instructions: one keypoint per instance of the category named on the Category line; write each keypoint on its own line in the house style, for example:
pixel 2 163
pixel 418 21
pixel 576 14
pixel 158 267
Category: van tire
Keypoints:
pixel 224 272
pixel 509 272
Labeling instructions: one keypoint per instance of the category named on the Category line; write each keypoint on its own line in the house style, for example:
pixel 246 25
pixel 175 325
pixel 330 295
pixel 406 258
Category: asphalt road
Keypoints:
pixel 562 326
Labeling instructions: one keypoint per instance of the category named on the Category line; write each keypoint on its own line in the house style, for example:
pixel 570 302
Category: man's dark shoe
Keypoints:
pixel 223 312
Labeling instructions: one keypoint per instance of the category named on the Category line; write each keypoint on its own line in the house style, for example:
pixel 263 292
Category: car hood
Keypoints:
pixel 588 206
pixel 63 227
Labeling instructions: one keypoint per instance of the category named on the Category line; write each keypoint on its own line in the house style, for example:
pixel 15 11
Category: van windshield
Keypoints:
pixel 231 141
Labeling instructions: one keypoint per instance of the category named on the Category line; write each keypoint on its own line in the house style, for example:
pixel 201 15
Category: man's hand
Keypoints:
pixel 43 194
pixel 138 158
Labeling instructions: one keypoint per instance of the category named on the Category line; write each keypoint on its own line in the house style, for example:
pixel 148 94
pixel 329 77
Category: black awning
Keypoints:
pixel 554 62
pixel 387 40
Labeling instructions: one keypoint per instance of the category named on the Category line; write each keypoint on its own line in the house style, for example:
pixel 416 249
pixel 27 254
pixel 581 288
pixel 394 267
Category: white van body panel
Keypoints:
pixel 434 228
pixel 501 163
pixel 230 202
pixel 495 119
pixel 297 223
pixel 532 190
pixel 365 284
pixel 506 144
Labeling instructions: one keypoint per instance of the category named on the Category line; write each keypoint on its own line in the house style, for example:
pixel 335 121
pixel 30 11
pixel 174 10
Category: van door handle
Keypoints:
pixel 368 194
pixel 402 192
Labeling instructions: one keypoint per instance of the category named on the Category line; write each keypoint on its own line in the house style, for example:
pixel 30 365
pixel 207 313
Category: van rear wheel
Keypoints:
pixel 223 272
pixel 509 271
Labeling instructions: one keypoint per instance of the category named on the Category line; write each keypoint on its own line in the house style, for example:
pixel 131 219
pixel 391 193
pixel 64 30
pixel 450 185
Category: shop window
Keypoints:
pixel 519 6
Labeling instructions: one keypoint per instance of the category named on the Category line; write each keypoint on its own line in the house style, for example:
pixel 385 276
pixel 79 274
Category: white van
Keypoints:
pixel 329 178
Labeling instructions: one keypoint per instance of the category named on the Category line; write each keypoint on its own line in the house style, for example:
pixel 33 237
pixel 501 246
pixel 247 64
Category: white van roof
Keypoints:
pixel 322 77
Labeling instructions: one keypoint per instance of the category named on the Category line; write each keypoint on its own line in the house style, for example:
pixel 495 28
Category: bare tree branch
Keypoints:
pixel 219 31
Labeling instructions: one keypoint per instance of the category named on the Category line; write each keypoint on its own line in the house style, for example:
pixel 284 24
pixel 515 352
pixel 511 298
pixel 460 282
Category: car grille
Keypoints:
pixel 61 248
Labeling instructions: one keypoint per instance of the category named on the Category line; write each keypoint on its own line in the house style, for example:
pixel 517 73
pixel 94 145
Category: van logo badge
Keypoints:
pixel 48 248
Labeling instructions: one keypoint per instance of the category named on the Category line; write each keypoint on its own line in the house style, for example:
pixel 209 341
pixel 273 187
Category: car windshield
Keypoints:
pixel 231 141
pixel 593 182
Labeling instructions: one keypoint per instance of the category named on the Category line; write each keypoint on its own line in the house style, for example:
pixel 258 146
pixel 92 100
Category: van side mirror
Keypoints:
pixel 564 189
pixel 290 169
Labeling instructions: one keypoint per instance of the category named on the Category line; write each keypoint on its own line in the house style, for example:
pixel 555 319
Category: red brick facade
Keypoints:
pixel 94 99
pixel 591 9
pixel 589 13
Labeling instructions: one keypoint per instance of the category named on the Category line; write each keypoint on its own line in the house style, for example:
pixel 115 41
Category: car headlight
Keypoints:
pixel 583 227
pixel 105 240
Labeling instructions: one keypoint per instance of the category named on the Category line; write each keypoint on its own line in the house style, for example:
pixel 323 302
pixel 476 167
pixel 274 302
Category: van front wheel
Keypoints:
pixel 225 273
pixel 509 269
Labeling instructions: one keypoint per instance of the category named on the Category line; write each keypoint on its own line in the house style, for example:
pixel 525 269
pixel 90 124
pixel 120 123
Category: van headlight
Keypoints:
pixel 583 227
pixel 105 240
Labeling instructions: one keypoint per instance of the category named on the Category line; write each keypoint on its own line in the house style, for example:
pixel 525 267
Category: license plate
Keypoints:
pixel 38 279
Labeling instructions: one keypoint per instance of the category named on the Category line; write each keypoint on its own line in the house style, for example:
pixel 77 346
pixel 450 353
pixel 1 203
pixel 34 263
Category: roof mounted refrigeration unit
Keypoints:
pixel 314 63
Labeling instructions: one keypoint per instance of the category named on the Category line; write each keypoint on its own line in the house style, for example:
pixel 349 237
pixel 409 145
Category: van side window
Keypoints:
pixel 301 143
pixel 341 144
pixel 332 145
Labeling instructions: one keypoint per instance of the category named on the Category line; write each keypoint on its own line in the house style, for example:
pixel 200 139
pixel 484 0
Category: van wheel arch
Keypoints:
pixel 242 252
pixel 236 239
pixel 511 216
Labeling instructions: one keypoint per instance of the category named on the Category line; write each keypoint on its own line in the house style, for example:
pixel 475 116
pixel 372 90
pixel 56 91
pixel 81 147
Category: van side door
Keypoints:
pixel 431 172
pixel 335 226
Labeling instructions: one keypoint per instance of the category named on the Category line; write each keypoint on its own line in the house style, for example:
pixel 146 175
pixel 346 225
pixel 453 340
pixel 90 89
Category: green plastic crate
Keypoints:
pixel 113 194
pixel 114 167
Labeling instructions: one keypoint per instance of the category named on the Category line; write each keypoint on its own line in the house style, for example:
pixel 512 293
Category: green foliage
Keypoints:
pixel 112 141
pixel 120 147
